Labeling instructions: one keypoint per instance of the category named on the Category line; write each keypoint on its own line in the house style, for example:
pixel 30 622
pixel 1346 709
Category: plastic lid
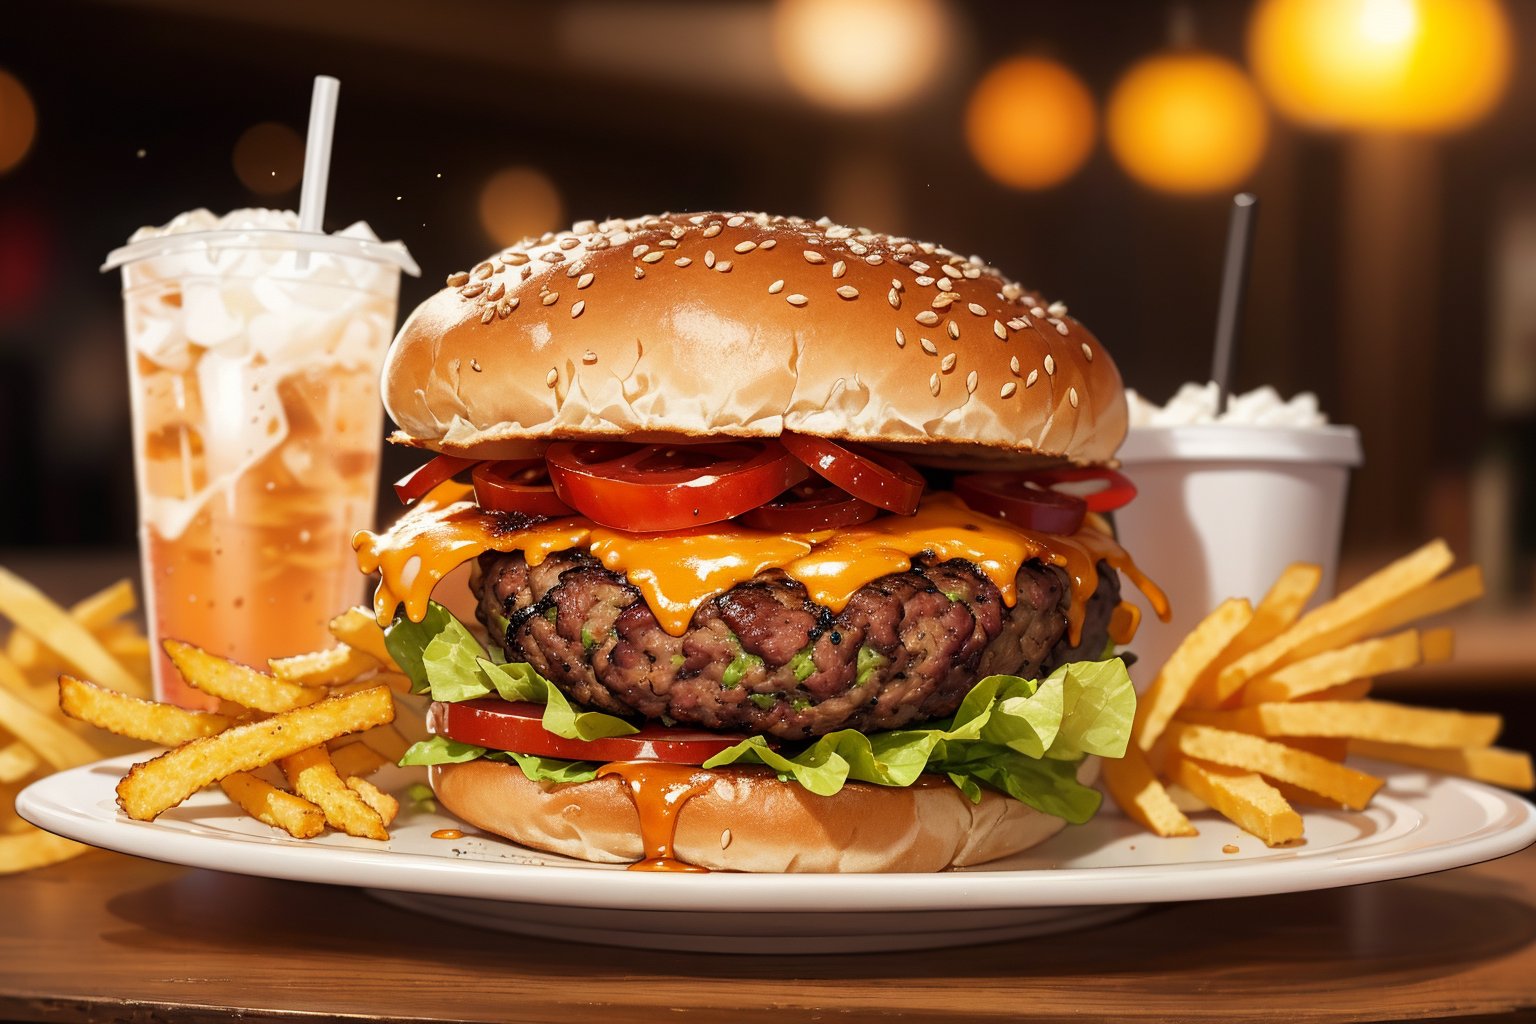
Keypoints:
pixel 1237 442
pixel 392 253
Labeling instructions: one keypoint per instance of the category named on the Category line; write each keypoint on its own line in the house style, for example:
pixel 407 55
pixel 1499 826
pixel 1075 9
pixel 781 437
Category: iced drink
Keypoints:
pixel 254 353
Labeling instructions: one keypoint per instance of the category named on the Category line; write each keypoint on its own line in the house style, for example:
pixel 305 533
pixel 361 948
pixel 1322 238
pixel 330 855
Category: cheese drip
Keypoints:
pixel 677 572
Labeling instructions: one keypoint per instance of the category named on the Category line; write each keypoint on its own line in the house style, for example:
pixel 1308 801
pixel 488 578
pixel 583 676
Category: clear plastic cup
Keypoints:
pixel 1222 509
pixel 254 360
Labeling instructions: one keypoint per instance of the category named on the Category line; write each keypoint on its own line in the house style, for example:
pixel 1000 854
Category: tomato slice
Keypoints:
pixel 518 726
pixel 517 485
pixel 1117 491
pixel 1021 501
pixel 423 478
pixel 876 477
pixel 656 487
pixel 812 505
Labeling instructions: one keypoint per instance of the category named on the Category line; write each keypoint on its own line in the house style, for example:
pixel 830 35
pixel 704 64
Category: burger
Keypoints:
pixel 788 547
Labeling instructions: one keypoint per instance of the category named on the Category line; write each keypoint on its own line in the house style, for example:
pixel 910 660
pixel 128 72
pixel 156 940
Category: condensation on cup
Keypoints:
pixel 254 353
pixel 1226 502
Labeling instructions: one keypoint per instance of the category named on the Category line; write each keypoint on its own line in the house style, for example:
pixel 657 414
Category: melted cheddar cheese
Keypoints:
pixel 677 572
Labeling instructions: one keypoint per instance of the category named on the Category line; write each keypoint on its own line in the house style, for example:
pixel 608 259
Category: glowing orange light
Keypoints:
pixel 1030 123
pixel 1186 122
pixel 269 158
pixel 517 202
pixel 1401 65
pixel 861 54
pixel 18 121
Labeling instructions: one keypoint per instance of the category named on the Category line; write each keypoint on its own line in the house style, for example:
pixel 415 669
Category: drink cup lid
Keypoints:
pixel 1223 442
pixel 391 253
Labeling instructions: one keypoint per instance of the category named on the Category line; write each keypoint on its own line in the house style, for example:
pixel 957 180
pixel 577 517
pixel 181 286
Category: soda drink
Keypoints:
pixel 254 354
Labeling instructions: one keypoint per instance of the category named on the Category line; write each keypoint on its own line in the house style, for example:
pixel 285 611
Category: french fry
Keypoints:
pixel 356 760
pixel 1450 591
pixel 165 724
pixel 1334 748
pixel 1377 591
pixel 57 630
pixel 357 627
pixel 1333 668
pixel 384 805
pixel 1276 611
pixel 1436 645
pixel 1132 785
pixel 314 778
pixel 240 684
pixel 388 742
pixel 323 668
pixel 1242 797
pixel 17 761
pixel 1276 761
pixel 96 613
pixel 272 806
pixel 47 736
pixel 34 848
pixel 154 786
pixel 1355 689
pixel 1199 649
pixel 1501 767
pixel 1361 719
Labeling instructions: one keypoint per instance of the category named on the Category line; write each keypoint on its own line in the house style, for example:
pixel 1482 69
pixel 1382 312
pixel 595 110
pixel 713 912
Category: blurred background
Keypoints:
pixel 1090 149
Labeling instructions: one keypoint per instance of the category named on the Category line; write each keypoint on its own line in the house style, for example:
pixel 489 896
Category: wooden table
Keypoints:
pixel 113 938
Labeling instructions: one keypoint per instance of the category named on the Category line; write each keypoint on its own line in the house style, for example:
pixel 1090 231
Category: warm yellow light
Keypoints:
pixel 269 158
pixel 1397 65
pixel 861 54
pixel 1030 123
pixel 517 202
pixel 1187 122
pixel 18 121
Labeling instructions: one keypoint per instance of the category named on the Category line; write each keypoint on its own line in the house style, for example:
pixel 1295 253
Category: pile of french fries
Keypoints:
pixel 293 747
pixel 1260 706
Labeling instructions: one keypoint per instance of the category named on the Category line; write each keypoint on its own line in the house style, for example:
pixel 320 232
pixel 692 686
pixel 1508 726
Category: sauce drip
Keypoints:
pixel 659 791
pixel 447 833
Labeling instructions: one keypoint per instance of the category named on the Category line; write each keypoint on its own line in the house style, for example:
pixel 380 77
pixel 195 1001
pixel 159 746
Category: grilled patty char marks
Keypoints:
pixel 763 658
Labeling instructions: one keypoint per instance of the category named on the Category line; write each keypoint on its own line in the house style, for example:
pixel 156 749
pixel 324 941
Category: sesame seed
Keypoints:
pixel 712 230
pixel 924 282
pixel 929 347
pixel 927 318
pixel 1018 323
pixel 920 266
pixel 472 291
pixel 745 247
pixel 977 309
pixel 553 256
pixel 901 339
pixel 639 273
pixel 653 257
pixel 569 242
pixel 857 249
pixel 953 329
pixel 505 307
pixel 526 272
pixel 736 221
pixel 678 231
pixel 589 356
pixel 1037 311
pixel 999 330
pixel 550 378
pixel 874 259
pixel 485 270
pixel 945 284
pixel 1029 381
pixel 474 364
pixel 497 291
pixel 1008 389
pixel 668 243
pixel 839 269
pixel 639 250
pixel 1087 352
pixel 681 261
pixel 970 382
pixel 550 298
pixel 1072 396
pixel 839 231
pixel 581 304
pixel 933 384
pixel 943 301
pixel 709 258
pixel 948 362
pixel 488 315
pixel 584 281
pixel 723 267
pixel 776 287
pixel 574 271
pixel 1061 327
pixel 812 256
pixel 796 299
pixel 514 259
pixel 458 280
pixel 768 243
pixel 1013 364
pixel 972 273
pixel 1057 309
pixel 1050 366
pixel 894 298
pixel 848 291
pixel 896 283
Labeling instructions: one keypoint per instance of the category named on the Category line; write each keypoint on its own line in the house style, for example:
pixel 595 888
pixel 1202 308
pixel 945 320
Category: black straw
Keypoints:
pixel 1234 280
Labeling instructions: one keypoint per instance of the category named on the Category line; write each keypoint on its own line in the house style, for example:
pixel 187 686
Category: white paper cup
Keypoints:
pixel 1222 509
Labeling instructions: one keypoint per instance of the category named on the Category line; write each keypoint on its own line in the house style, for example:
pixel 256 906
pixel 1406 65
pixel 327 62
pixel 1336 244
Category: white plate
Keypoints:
pixel 1420 822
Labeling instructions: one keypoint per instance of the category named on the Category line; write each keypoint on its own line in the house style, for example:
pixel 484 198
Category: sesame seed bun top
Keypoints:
pixel 748 325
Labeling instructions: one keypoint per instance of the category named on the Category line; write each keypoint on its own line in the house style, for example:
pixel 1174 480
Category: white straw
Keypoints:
pixel 317 153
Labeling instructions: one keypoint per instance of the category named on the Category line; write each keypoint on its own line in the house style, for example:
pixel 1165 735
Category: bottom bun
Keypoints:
pixel 750 821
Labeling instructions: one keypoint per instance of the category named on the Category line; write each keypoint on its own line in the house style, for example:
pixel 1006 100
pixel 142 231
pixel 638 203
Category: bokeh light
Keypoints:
pixel 1396 65
pixel 517 202
pixel 862 55
pixel 1030 123
pixel 1187 122
pixel 269 158
pixel 18 121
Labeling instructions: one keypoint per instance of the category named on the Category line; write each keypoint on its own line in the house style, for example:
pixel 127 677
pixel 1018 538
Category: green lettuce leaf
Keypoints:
pixel 407 640
pixel 442 750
